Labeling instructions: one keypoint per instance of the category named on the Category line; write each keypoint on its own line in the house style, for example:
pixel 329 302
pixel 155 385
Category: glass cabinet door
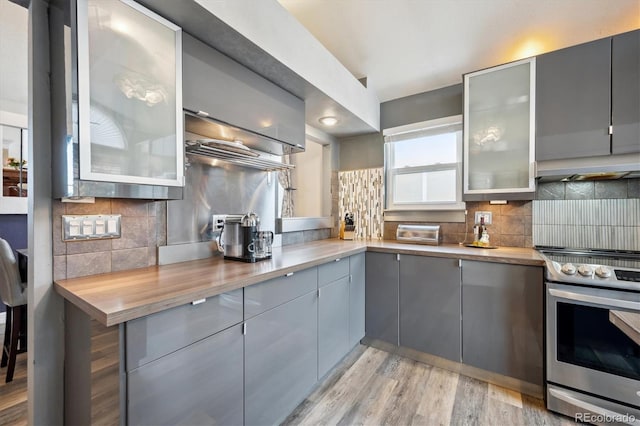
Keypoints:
pixel 130 94
pixel 499 129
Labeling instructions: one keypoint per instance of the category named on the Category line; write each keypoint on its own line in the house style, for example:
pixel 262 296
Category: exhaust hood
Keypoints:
pixel 589 168
pixel 200 124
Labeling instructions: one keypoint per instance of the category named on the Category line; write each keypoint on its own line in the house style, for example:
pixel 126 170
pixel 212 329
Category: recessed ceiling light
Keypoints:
pixel 328 120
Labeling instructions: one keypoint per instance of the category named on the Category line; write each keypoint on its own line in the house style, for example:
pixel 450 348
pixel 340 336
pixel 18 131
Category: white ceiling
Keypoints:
pixel 13 57
pixel 406 47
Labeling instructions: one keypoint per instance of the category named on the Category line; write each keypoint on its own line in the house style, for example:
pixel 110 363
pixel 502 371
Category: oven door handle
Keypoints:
pixel 597 300
pixel 563 396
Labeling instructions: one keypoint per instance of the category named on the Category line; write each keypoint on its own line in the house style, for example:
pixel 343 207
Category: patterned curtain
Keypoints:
pixel 284 177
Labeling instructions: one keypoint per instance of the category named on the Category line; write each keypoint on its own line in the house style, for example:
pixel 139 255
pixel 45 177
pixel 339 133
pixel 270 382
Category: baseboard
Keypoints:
pixel 527 388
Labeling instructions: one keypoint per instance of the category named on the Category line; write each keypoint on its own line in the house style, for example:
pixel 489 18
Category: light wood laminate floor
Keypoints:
pixel 373 387
pixel 13 395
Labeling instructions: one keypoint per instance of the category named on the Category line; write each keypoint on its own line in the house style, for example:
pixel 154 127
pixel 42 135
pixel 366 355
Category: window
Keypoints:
pixel 423 165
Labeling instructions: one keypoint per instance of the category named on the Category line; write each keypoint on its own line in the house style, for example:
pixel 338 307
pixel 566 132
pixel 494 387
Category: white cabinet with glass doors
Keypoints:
pixel 499 132
pixel 130 94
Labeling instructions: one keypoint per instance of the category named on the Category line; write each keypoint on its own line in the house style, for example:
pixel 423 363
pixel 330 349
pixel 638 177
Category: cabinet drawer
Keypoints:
pixel 263 296
pixel 332 271
pixel 155 335
pixel 200 384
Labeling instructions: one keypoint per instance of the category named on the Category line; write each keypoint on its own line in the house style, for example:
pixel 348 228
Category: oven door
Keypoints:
pixel 593 340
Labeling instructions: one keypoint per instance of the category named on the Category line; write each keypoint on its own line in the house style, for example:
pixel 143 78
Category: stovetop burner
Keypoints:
pixel 601 268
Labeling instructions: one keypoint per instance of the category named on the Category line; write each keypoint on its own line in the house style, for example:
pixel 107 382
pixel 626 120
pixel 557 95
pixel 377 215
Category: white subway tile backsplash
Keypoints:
pixel 605 224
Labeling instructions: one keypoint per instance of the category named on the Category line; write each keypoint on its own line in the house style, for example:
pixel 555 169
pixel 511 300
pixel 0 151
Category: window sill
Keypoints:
pixel 425 215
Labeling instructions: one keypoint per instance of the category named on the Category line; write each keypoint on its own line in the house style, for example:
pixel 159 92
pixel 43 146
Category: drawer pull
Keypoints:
pixel 199 301
pixel 289 274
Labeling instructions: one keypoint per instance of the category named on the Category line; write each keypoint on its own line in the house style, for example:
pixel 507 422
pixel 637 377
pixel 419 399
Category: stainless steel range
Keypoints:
pixel 593 334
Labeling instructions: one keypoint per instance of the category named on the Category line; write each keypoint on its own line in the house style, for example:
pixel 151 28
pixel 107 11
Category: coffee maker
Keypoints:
pixel 242 240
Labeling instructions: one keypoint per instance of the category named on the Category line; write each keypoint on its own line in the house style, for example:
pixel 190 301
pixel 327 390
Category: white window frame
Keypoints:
pixel 401 133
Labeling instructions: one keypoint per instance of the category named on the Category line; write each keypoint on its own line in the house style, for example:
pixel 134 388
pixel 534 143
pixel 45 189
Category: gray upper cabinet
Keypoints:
pixel 584 89
pixel 381 310
pixel 281 359
pixel 502 319
pixel 625 96
pixel 356 298
pixel 199 384
pixel 130 119
pixel 333 323
pixel 573 90
pixel 224 90
pixel 430 305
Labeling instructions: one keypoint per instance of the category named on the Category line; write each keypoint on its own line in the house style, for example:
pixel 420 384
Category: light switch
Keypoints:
pixel 90 227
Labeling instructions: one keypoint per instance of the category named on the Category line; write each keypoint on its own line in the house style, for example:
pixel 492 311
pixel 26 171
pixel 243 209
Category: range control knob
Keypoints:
pixel 568 269
pixel 585 270
pixel 603 272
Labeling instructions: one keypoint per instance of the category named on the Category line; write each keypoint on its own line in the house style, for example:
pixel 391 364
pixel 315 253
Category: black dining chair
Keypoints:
pixel 13 293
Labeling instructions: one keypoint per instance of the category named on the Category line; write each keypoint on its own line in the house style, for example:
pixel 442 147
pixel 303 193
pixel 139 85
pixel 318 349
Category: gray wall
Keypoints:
pixel 367 151
pixel 421 107
pixel 362 152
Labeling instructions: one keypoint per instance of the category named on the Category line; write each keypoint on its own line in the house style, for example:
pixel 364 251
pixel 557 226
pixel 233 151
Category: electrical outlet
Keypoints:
pixel 486 215
pixel 218 221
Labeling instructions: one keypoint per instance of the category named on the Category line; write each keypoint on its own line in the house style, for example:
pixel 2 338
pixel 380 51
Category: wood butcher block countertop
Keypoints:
pixel 117 297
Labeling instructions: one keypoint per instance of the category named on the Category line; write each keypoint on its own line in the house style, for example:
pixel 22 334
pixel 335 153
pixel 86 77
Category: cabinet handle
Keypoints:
pixel 459 263
pixel 350 278
pixel 202 113
pixel 289 274
pixel 610 130
pixel 337 260
pixel 398 257
pixel 244 328
pixel 199 301
pixel 318 293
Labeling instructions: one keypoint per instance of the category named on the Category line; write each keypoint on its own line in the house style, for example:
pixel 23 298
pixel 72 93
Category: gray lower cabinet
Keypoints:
pixel 502 319
pixel 150 337
pixel 430 305
pixel 281 359
pixel 356 298
pixel 381 311
pixel 199 384
pixel 333 324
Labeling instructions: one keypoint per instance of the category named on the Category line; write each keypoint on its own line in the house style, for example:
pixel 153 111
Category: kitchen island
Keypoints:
pixel 232 342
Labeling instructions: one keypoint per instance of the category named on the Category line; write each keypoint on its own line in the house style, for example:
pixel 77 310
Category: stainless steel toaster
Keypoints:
pixel 419 234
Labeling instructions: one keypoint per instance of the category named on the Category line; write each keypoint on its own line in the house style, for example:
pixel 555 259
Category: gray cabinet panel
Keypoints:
pixel 332 271
pixel 356 298
pixel 381 307
pixel 502 311
pixel 200 384
pixel 333 324
pixel 266 295
pixel 155 335
pixel 230 92
pixel 572 101
pixel 625 96
pixel 430 305
pixel 281 359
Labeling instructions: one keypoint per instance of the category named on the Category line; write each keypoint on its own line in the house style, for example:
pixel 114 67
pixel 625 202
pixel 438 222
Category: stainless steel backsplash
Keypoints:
pixel 220 190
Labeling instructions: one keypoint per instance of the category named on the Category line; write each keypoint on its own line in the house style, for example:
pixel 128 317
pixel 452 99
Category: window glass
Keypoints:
pixel 423 166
